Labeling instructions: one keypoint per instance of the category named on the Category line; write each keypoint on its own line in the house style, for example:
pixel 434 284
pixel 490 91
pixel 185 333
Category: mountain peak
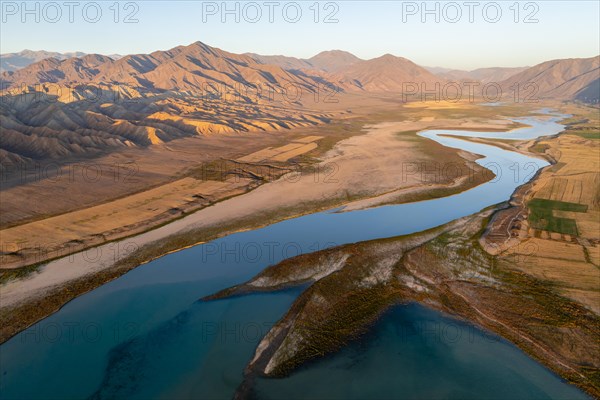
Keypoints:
pixel 335 52
pixel 200 44
pixel 391 58
pixel 333 60
pixel 387 73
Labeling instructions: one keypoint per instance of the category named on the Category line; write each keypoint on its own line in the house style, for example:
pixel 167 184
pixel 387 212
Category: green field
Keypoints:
pixel 586 134
pixel 542 217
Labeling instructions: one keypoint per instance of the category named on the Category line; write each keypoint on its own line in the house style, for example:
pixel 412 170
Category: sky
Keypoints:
pixel 458 35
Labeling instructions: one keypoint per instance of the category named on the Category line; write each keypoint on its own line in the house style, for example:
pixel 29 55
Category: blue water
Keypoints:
pixel 144 335
pixel 417 353
pixel 548 126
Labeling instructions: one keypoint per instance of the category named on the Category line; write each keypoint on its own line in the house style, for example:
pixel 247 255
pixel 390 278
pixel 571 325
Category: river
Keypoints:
pixel 145 335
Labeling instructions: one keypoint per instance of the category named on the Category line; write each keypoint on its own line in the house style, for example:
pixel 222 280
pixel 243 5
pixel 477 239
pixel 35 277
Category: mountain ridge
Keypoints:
pixel 560 79
pixel 97 103
pixel 15 61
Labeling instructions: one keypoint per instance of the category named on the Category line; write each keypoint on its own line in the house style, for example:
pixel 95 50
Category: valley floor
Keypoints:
pixel 343 164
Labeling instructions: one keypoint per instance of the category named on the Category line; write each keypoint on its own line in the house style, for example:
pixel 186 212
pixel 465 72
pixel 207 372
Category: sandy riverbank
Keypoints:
pixel 364 166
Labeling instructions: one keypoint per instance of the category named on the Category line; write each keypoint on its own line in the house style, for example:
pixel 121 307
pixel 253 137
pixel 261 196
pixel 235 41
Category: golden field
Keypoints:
pixel 558 232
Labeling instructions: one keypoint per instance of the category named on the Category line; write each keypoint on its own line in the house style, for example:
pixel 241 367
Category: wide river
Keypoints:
pixel 145 335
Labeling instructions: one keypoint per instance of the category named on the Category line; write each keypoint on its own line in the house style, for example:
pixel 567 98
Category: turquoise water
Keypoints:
pixel 145 335
pixel 417 353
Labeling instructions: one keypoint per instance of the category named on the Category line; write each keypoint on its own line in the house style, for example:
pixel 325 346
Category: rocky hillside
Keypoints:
pixel 183 68
pixel 387 73
pixel 60 108
pixel 568 79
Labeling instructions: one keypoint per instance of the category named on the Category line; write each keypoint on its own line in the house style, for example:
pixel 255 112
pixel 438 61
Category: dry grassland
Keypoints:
pixel 64 233
pixel 559 239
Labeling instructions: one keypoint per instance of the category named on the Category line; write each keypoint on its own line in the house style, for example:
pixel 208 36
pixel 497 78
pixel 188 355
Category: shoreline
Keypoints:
pixel 121 267
pixel 537 345
pixel 457 305
pixel 52 296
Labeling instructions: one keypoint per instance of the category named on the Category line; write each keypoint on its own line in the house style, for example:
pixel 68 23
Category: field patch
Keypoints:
pixel 283 153
pixel 541 215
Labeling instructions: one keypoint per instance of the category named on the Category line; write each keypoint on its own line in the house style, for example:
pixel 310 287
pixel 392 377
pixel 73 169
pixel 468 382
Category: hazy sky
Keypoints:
pixel 555 29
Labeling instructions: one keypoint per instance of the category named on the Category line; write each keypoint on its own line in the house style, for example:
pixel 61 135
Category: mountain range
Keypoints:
pixel 22 59
pixel 328 61
pixel 483 75
pixel 198 66
pixel 65 106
